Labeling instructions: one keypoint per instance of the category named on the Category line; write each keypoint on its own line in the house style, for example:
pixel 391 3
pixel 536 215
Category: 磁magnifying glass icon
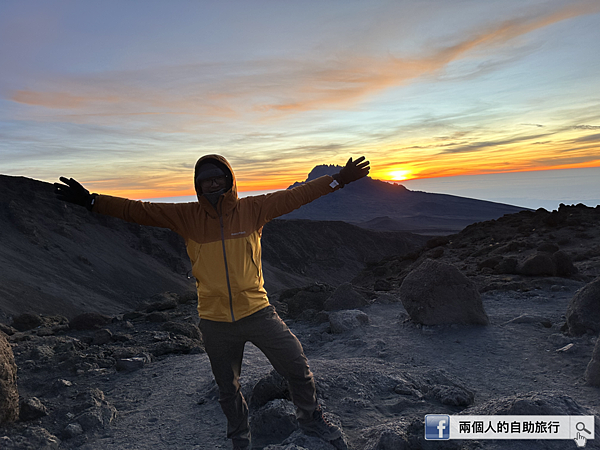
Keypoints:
pixel 581 427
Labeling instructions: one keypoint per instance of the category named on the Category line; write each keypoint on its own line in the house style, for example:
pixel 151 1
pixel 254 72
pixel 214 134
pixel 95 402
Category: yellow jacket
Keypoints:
pixel 223 243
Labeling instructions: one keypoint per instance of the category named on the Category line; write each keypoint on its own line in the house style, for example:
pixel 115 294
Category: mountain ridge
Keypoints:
pixel 414 211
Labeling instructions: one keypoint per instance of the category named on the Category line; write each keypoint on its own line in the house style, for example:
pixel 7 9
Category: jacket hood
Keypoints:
pixel 230 197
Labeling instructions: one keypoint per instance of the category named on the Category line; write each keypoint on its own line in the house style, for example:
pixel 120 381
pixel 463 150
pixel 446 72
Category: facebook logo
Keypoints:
pixel 437 427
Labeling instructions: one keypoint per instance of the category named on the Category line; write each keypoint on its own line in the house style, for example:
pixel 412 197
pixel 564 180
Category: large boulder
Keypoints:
pixel 592 373
pixel 438 293
pixel 583 312
pixel 9 396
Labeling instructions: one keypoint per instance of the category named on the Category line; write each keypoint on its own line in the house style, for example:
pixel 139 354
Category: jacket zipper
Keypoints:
pixel 226 268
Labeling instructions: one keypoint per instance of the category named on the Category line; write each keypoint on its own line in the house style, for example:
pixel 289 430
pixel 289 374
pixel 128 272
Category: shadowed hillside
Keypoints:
pixel 57 258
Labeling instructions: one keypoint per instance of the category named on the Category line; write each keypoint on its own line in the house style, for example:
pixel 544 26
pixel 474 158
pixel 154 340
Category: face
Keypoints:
pixel 213 184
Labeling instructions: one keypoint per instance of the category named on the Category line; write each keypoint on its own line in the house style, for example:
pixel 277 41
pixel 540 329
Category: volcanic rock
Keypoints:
pixel 564 264
pixel 538 264
pixel 438 293
pixel 347 320
pixel 27 321
pixel 583 312
pixel 269 388
pixel 273 422
pixel 9 395
pixel 32 408
pixel 592 372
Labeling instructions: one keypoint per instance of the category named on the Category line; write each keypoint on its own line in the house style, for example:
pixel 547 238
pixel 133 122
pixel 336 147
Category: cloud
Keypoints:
pixel 589 138
pixel 586 127
pixel 266 88
pixel 477 146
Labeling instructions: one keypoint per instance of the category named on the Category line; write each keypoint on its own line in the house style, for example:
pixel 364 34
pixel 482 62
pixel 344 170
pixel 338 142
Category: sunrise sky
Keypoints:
pixel 126 95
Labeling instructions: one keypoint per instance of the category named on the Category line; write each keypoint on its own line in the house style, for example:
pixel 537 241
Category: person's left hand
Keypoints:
pixel 353 170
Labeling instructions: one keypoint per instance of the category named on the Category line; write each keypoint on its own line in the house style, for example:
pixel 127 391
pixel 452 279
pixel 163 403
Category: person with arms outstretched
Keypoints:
pixel 222 235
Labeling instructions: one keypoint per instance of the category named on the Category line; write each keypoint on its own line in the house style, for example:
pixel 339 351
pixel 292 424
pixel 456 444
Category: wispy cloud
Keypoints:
pixel 265 88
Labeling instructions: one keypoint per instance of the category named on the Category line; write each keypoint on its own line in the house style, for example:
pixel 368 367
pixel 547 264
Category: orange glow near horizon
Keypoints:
pixel 283 180
pixel 401 174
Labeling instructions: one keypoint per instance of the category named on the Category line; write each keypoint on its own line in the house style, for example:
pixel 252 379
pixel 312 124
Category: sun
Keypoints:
pixel 400 174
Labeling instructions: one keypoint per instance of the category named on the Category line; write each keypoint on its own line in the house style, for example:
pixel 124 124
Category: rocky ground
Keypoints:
pixel 141 380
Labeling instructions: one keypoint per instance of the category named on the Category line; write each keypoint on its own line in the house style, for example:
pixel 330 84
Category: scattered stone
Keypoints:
pixel 42 439
pixel 592 372
pixel 97 417
pixel 564 264
pixel 96 412
pixel 343 321
pixel 438 293
pixel 273 422
pixel 41 352
pixel 345 297
pixel 9 395
pixel 130 364
pixel 8 330
pixel 32 408
pixel 102 337
pixel 566 348
pixel 62 384
pixel 89 321
pixel 507 266
pixel 27 321
pixel 583 312
pixel 72 430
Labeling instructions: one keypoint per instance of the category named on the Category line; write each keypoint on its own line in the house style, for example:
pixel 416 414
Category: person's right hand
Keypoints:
pixel 73 192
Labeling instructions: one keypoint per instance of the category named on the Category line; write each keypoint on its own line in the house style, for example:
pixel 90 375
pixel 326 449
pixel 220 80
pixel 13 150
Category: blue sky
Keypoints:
pixel 125 96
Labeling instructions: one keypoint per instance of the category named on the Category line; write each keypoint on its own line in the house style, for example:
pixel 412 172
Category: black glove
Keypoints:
pixel 73 192
pixel 352 171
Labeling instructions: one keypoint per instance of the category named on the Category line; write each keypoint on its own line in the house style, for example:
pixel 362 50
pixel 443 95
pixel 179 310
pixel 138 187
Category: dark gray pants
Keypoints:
pixel 224 343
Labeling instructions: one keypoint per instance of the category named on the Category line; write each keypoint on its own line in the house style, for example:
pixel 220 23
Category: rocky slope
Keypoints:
pixel 57 258
pixel 523 251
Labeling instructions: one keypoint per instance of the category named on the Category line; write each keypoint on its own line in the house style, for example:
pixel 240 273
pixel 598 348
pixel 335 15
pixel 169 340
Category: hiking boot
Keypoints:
pixel 320 427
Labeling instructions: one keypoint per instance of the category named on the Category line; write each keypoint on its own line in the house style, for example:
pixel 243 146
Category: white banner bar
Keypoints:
pixel 443 427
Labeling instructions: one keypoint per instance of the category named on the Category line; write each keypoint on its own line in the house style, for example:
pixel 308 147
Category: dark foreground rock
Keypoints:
pixel 583 312
pixel 9 395
pixel 592 372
